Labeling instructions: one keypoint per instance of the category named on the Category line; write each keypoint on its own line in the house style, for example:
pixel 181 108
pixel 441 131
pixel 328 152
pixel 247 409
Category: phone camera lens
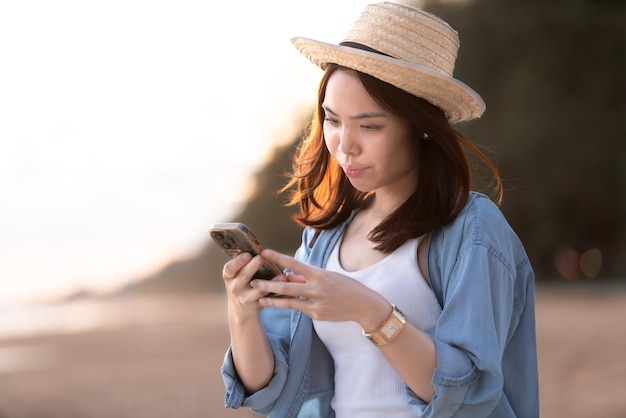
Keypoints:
pixel 229 243
pixel 226 241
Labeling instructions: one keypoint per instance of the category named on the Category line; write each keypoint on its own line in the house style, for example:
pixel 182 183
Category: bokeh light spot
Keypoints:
pixel 591 262
pixel 567 263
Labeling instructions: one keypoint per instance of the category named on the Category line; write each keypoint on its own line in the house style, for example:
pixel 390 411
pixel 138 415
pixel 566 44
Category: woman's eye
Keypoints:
pixel 369 127
pixel 331 121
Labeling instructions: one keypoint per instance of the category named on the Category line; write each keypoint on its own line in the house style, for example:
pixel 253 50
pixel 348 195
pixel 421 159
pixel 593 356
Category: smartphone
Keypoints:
pixel 236 238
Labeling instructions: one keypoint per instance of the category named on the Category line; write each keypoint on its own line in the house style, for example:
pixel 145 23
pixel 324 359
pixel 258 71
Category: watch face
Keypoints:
pixel 388 331
pixel 390 328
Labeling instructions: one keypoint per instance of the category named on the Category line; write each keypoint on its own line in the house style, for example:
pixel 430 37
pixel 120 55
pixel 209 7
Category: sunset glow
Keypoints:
pixel 119 120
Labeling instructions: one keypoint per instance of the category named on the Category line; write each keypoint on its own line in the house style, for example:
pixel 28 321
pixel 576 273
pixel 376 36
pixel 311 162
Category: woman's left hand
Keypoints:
pixel 322 295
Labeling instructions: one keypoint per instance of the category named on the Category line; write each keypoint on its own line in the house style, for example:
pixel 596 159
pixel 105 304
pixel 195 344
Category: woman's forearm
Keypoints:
pixel 412 354
pixel 416 370
pixel 252 354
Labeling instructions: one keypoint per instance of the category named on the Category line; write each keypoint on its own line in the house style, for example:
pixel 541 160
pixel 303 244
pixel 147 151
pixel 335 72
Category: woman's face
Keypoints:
pixel 373 146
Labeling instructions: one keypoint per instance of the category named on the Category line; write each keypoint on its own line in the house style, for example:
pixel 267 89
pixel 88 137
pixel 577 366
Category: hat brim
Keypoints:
pixel 458 101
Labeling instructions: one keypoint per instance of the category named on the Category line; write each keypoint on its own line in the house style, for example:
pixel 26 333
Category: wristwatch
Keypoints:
pixel 389 329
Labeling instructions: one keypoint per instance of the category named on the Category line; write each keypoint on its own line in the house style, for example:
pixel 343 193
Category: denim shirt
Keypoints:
pixel 485 337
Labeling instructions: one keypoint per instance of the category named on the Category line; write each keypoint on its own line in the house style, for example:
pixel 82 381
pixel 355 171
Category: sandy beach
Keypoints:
pixel 160 358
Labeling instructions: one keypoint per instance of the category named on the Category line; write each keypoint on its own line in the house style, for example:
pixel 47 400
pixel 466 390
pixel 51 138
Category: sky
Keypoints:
pixel 129 127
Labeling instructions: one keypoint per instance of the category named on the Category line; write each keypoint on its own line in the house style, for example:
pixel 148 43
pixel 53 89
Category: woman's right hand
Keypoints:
pixel 243 300
pixel 251 351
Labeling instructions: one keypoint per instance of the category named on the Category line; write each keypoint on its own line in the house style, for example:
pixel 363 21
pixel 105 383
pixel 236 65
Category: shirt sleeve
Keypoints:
pixel 277 323
pixel 471 336
pixel 479 312
pixel 263 400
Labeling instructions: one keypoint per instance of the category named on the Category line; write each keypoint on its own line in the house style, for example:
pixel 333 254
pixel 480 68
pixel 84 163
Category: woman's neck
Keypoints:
pixel 380 206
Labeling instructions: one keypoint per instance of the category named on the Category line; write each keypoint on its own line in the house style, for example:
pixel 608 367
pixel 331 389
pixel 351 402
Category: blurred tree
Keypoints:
pixel 264 212
pixel 553 76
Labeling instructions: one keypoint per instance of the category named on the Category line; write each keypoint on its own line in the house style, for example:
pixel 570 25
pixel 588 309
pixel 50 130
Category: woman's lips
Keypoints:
pixel 352 171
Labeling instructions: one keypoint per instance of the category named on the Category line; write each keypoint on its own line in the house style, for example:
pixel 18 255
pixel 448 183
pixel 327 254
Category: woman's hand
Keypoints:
pixel 321 294
pixel 251 350
pixel 243 300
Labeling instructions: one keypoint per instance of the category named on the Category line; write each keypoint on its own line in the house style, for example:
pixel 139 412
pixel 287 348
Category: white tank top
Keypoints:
pixel 366 386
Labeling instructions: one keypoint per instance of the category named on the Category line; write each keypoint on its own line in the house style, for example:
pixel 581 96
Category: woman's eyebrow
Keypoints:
pixel 365 115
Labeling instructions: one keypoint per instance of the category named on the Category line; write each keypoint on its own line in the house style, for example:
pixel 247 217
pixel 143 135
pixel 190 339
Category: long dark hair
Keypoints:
pixel 326 198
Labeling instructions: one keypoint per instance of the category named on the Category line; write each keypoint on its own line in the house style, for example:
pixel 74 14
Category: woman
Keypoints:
pixel 410 295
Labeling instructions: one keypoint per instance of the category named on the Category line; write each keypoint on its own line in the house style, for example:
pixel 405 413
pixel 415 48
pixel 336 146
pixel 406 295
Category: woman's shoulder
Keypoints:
pixel 481 222
pixel 480 208
pixel 480 228
pixel 479 213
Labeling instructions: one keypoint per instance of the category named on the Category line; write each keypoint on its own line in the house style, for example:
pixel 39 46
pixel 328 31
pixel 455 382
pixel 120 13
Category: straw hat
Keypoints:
pixel 406 47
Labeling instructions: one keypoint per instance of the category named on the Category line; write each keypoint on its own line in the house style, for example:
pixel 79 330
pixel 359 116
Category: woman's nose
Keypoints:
pixel 347 142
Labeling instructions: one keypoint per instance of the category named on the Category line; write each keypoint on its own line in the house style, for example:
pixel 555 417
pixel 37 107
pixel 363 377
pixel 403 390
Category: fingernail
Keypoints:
pixel 246 256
